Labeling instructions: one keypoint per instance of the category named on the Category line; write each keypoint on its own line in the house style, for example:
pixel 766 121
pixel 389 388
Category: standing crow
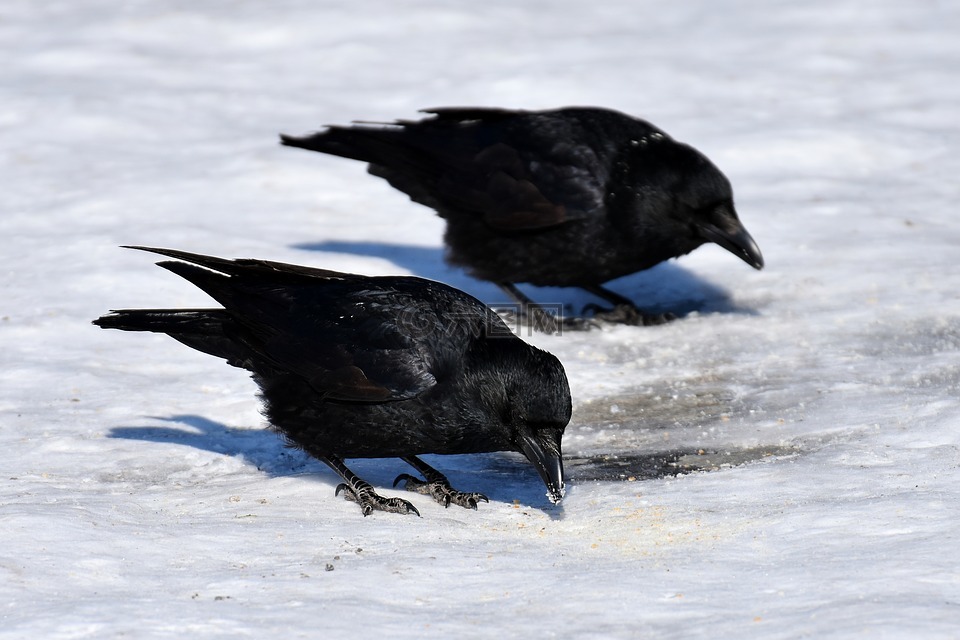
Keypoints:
pixel 569 197
pixel 358 367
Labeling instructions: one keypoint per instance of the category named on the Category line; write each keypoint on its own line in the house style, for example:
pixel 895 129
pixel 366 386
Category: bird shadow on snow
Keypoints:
pixel 503 477
pixel 665 287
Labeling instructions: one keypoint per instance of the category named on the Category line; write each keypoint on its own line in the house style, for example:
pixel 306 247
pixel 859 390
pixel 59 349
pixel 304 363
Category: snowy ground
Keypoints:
pixel 782 462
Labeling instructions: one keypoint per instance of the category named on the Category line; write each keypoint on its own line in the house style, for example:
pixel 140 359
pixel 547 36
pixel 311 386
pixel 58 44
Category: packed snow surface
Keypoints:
pixel 783 461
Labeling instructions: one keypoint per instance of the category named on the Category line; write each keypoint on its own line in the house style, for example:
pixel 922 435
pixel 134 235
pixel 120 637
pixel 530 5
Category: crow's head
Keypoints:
pixel 539 411
pixel 670 189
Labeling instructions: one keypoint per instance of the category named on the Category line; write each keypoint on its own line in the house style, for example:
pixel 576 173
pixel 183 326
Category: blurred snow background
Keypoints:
pixel 783 461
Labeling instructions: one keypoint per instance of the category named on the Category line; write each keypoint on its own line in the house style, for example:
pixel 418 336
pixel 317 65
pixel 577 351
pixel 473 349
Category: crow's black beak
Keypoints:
pixel 543 450
pixel 731 235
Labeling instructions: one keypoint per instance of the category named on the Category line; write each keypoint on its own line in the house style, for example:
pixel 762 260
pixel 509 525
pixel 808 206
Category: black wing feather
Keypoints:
pixel 518 170
pixel 353 339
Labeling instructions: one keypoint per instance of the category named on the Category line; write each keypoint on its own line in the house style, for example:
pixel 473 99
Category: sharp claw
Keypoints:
pixel 413 509
pixel 403 476
pixel 441 491
pixel 582 324
pixel 341 487
pixel 629 315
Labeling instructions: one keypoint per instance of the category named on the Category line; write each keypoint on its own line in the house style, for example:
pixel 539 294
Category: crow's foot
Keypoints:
pixel 628 314
pixel 544 322
pixel 538 318
pixel 368 499
pixel 442 492
pixel 580 323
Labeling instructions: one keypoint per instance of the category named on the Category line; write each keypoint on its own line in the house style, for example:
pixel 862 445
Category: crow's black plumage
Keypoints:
pixel 568 197
pixel 368 367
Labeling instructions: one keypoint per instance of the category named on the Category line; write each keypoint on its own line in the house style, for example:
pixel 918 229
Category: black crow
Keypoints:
pixel 369 367
pixel 570 197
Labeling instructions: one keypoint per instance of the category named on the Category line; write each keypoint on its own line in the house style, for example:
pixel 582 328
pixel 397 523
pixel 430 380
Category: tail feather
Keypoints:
pixel 412 162
pixel 242 286
pixel 206 330
pixel 223 265
pixel 240 266
pixel 198 321
pixel 210 282
pixel 375 145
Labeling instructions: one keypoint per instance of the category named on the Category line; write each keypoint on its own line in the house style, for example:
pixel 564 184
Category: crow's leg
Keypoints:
pixel 538 317
pixel 436 485
pixel 356 490
pixel 623 311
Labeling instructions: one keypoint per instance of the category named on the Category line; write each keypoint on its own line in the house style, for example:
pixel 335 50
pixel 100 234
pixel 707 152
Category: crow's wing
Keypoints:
pixel 518 170
pixel 352 338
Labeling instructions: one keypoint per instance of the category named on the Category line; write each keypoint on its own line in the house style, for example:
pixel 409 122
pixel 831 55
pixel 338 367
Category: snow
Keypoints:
pixel 783 461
